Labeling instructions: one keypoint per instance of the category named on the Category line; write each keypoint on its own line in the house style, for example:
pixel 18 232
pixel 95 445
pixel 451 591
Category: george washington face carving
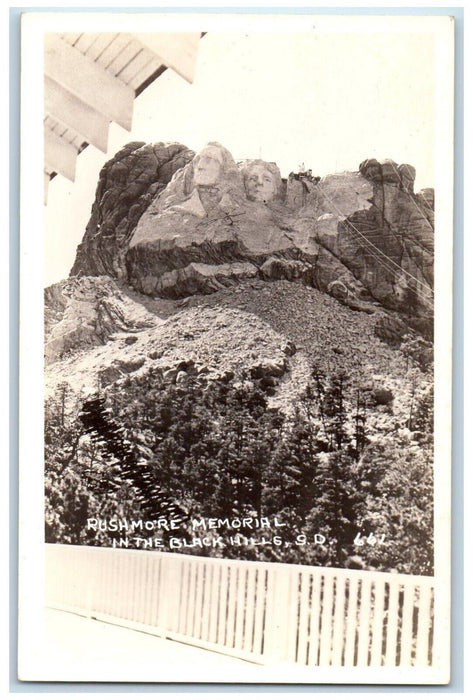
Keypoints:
pixel 208 167
pixel 211 179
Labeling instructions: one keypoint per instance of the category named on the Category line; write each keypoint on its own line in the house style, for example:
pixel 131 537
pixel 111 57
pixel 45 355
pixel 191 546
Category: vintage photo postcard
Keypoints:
pixel 236 270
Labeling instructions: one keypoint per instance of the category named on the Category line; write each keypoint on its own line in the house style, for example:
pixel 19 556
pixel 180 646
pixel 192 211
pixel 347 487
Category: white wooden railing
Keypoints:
pixel 259 611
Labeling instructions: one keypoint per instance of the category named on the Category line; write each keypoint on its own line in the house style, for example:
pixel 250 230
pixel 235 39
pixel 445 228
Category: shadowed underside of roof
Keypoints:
pixel 93 79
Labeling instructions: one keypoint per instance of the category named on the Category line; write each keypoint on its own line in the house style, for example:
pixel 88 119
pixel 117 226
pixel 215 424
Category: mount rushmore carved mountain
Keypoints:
pixel 172 234
pixel 233 341
pixel 171 224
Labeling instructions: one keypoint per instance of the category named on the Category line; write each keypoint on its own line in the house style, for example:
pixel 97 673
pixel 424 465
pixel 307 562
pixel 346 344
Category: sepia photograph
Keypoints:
pixel 236 318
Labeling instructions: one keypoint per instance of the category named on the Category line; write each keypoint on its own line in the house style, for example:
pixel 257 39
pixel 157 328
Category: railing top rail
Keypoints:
pixel 357 574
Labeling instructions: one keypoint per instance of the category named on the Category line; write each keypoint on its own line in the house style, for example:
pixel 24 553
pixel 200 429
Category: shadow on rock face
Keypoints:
pixel 365 238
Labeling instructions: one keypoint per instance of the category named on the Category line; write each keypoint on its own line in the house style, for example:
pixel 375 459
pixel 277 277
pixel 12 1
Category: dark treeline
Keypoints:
pixel 151 449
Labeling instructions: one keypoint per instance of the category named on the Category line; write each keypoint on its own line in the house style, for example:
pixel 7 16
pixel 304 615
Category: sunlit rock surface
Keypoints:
pixel 172 224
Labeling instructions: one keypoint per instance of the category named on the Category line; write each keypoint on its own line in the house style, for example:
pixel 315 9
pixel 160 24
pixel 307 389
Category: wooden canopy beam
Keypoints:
pixel 63 106
pixel 59 155
pixel 177 51
pixel 87 81
pixel 47 177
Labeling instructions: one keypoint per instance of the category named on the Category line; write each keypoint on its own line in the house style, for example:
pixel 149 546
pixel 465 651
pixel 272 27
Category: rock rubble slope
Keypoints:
pixel 200 266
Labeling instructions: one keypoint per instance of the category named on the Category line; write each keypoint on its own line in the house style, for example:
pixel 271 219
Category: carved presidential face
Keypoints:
pixel 260 184
pixel 208 167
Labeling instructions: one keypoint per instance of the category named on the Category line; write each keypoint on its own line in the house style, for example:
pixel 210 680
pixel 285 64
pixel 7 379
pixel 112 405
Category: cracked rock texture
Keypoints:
pixel 200 265
pixel 266 333
pixel 173 224
pixel 128 183
pixel 88 311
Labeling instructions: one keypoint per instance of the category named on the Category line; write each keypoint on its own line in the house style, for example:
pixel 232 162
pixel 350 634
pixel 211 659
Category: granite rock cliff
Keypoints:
pixel 200 265
pixel 127 185
pixel 172 224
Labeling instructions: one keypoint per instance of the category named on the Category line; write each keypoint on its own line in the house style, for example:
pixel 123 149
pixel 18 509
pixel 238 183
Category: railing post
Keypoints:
pixel 276 628
pixel 90 575
pixel 164 595
pixel 277 612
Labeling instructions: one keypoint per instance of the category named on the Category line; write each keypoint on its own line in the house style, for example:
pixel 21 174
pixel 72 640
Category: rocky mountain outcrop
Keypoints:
pixel 89 311
pixel 173 224
pixel 231 332
pixel 127 185
pixel 223 270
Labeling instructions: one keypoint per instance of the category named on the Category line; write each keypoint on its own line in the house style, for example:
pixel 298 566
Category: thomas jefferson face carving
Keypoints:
pixel 260 184
pixel 208 167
